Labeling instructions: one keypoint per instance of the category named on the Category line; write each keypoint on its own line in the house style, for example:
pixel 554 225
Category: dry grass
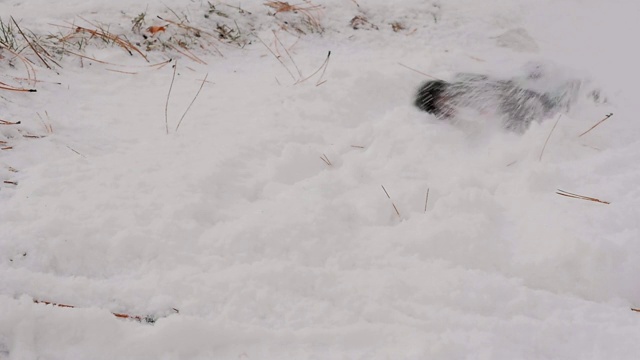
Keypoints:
pixel 47 124
pixel 79 34
pixel 33 47
pixel 29 69
pixel 8 36
pixel 361 22
pixel 310 15
pixel 299 78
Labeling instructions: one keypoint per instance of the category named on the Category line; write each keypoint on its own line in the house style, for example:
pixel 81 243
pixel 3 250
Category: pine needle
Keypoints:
pixel 146 319
pixel 322 67
pixel 581 197
pixel 192 101
pixel 426 201
pixel 166 105
pixel 326 160
pixel 277 57
pixel 548 137
pixel 419 72
pixel 598 123
pixel 392 203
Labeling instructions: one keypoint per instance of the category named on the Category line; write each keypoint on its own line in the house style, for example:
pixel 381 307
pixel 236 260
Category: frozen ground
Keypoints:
pixel 267 251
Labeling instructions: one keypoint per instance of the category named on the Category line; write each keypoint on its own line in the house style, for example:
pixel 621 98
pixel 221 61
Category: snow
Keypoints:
pixel 269 252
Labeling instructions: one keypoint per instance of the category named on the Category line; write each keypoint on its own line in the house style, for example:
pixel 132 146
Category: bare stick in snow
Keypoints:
pixel 598 123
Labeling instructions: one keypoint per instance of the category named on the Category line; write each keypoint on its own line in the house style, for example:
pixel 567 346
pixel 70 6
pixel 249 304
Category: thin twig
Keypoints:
pixel 548 137
pixel 581 197
pixel 598 123
pixel 166 105
pixel 192 101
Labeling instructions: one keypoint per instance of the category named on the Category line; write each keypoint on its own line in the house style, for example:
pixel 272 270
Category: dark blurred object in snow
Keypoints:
pixel 518 101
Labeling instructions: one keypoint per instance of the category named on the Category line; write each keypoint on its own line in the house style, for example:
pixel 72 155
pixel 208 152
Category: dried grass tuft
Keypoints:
pixel 310 15
pixel 79 35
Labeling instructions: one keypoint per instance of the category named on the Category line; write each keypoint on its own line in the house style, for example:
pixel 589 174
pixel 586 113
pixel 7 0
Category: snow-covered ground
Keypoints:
pixel 268 251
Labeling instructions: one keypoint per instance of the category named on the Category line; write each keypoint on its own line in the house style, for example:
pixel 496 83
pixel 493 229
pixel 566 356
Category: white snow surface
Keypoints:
pixel 267 251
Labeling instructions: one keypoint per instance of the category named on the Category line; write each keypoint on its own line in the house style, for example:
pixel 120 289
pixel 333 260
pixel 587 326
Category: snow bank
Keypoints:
pixel 270 252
